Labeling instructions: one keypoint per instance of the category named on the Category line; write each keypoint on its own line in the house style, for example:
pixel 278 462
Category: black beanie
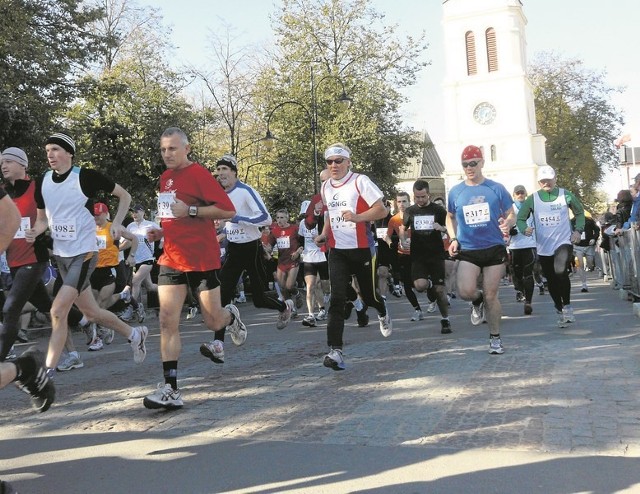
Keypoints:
pixel 64 141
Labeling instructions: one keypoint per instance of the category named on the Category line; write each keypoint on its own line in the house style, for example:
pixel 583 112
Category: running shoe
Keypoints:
pixel 241 299
pixel 127 314
pixel 96 345
pixel 417 316
pixel 34 379
pixel 584 289
pixel 193 312
pixel 126 295
pixel 520 297
pixel 567 312
pixel 431 307
pixel 70 362
pixel 138 344
pixel 495 345
pixel 106 335
pixel 22 336
pixel 334 360
pixel 91 330
pixel 527 309
pixel 541 290
pixel 477 312
pixel 164 397
pixel 12 355
pixel 445 326
pixel 362 317
pixel 285 316
pixel 386 325
pixel 213 351
pixel 321 315
pixel 309 321
pixel 140 312
pixel 237 329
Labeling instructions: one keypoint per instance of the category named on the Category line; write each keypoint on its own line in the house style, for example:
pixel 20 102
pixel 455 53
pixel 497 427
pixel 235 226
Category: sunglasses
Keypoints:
pixel 472 164
pixel 337 161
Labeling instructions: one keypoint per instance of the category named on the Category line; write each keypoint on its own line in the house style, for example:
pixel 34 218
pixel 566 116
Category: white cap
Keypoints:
pixel 546 173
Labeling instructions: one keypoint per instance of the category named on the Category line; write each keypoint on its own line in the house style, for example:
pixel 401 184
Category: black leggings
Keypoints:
pixel 404 263
pixel 342 264
pixel 523 262
pixel 241 257
pixel 555 269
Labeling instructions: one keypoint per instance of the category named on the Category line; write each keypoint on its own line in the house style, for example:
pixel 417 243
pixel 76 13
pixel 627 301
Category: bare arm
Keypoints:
pixel 124 201
pixel 452 228
pixel 10 222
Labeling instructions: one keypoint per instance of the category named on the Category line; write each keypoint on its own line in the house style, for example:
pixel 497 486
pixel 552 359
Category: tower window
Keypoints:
pixel 494 154
pixel 470 43
pixel 492 52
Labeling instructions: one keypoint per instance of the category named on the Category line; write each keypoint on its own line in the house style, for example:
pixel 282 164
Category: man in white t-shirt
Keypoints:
pixel 353 201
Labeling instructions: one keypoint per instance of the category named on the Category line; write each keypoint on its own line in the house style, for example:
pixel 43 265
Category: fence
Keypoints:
pixel 622 263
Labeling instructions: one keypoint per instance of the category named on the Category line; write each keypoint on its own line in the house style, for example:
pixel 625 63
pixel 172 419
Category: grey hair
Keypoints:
pixel 171 131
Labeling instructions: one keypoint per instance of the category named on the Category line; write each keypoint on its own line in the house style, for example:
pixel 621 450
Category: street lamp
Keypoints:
pixel 344 101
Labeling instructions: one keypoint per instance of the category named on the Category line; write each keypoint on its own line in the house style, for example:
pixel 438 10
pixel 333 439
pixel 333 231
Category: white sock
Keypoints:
pixel 84 321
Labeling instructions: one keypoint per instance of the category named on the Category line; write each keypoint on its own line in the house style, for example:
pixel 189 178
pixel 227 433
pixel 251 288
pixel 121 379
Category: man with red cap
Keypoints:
pixel 480 215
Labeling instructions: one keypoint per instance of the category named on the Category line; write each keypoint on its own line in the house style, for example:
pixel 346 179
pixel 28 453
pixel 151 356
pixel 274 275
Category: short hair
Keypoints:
pixel 421 185
pixel 171 131
pixel 403 193
pixel 283 211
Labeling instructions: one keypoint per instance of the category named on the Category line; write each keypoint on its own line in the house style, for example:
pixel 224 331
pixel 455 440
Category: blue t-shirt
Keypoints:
pixel 477 209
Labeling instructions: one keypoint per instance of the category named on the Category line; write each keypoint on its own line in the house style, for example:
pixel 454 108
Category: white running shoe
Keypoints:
pixel 106 335
pixel 140 312
pixel 309 321
pixel 285 317
pixel 138 344
pixel 241 299
pixel 96 344
pixel 477 313
pixel 321 315
pixel 91 330
pixel 386 325
pixel 70 362
pixel 237 329
pixel 432 306
pixel 417 316
pixel 495 346
pixel 213 351
pixel 334 360
pixel 127 314
pixel 12 355
pixel 567 312
pixel 164 397
pixel 193 312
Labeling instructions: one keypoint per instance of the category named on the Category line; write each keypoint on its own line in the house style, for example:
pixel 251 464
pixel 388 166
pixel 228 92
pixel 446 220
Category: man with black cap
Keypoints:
pixel 523 255
pixel 244 251
pixel 64 199
pixel 144 257
pixel 480 214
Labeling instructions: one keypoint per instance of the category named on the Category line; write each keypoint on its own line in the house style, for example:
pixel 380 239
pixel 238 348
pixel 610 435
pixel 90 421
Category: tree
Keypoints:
pixel 44 45
pixel 345 46
pixel 574 112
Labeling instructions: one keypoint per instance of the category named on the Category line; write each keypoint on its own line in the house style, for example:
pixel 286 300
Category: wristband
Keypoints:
pixel 454 239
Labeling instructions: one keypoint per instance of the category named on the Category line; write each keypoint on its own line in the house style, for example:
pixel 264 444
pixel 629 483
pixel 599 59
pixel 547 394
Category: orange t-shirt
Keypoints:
pixel 394 226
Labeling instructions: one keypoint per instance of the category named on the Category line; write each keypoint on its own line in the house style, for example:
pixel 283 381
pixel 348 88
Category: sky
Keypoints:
pixel 602 35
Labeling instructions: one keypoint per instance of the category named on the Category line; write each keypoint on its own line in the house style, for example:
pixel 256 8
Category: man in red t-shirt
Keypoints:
pixel 285 236
pixel 189 201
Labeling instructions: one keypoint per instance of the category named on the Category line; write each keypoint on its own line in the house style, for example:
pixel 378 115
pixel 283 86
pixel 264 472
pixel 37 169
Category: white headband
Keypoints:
pixel 336 151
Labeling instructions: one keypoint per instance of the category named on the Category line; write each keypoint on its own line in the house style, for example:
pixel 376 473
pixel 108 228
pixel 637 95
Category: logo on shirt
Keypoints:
pixel 168 184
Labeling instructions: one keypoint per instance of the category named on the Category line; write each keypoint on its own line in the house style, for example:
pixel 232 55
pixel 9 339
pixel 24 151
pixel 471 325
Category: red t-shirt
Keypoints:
pixel 287 241
pixel 191 244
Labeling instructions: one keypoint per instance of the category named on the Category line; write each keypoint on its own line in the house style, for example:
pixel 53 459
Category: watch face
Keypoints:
pixel 484 113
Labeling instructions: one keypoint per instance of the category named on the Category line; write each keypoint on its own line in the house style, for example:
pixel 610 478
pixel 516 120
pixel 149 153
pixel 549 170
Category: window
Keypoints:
pixel 492 52
pixel 470 43
pixel 494 154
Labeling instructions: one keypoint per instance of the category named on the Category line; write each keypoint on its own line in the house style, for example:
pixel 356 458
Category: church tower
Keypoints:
pixel 488 98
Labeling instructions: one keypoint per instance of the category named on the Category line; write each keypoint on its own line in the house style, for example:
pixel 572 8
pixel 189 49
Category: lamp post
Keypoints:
pixel 269 139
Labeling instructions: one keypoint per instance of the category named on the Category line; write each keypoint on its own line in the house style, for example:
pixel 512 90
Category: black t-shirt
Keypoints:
pixel 2 192
pixel 425 241
pixel 91 182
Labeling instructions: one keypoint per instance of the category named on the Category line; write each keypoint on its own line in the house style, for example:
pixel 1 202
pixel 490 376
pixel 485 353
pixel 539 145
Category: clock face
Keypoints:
pixel 484 113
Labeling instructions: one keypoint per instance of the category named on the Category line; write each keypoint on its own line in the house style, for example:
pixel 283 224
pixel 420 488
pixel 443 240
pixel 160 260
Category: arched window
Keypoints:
pixel 470 43
pixel 492 51
pixel 494 153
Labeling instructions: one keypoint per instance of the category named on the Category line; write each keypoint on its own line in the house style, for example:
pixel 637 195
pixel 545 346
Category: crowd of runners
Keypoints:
pixel 348 247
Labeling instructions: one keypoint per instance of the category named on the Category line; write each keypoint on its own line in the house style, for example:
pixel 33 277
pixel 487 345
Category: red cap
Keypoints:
pixel 471 153
pixel 100 208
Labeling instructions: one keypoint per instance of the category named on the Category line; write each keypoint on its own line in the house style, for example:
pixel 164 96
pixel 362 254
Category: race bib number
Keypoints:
pixel 475 214
pixel 283 242
pixel 424 222
pixel 583 236
pixel 101 241
pixel 236 233
pixel 381 233
pixel 550 220
pixel 25 224
pixel 63 229
pixel 339 223
pixel 165 200
pixel 223 251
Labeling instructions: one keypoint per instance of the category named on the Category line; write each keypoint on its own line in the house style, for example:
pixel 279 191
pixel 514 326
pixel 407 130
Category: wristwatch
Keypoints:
pixel 193 211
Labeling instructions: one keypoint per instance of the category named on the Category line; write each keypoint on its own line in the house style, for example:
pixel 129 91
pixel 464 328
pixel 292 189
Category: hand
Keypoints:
pixel 349 215
pixel 592 242
pixel 30 235
pixel 575 237
pixel 529 231
pixel 154 234
pixel 454 248
pixel 179 209
pixel 131 260
pixel 116 230
pixel 320 240
pixel 504 226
